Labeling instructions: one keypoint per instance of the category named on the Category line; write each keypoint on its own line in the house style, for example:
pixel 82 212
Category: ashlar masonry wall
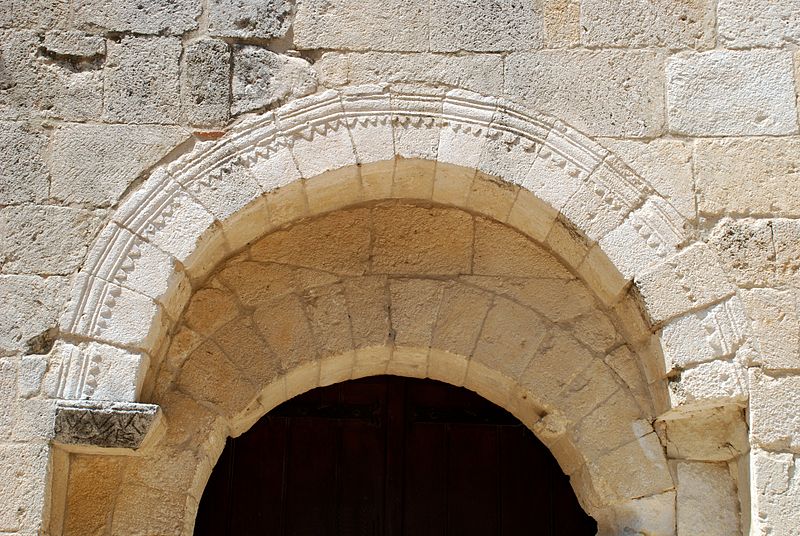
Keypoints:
pixel 697 98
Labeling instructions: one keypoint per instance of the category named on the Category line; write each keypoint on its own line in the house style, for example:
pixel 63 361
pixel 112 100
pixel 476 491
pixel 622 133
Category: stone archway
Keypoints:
pixel 333 155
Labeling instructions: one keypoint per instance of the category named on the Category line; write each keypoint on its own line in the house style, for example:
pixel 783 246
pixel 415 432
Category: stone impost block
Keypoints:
pixel 601 92
pixel 777 24
pixel 727 93
pixel 716 434
pixel 660 23
pixel 115 427
pixel 250 18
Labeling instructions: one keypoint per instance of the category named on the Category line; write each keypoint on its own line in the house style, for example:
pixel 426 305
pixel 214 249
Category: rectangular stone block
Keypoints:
pixel 205 87
pixel 775 325
pixel 170 17
pixel 754 176
pixel 107 425
pixel 479 26
pixel 775 492
pixel 727 93
pixel 758 23
pixel 23 174
pixel 600 92
pixel 774 419
pixel 31 306
pixel 142 80
pixel 258 19
pixel 658 23
pixel 392 25
pixel 707 499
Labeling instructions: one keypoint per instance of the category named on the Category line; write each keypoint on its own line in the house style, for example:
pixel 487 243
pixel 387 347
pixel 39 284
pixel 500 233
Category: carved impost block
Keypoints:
pixel 112 427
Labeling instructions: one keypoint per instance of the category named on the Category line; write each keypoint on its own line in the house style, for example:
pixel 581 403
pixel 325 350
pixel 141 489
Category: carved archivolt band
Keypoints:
pixel 194 211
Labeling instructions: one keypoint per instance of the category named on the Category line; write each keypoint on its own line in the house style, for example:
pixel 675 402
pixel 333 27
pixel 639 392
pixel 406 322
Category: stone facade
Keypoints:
pixel 584 210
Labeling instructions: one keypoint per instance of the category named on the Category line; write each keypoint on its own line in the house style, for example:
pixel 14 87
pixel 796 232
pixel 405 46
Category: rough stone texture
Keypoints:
pixel 728 93
pixel 22 485
pixel 31 306
pixel 775 399
pixel 392 25
pixel 746 250
pixel 775 326
pixel 23 173
pixel 142 78
pixel 707 500
pixel 104 425
pixel 205 87
pixel 100 161
pixel 601 92
pixel 151 17
pixel 47 240
pixel 762 23
pixel 261 78
pixel 660 23
pixel 718 434
pixel 775 493
pixel 250 18
pixel 485 27
pixel 748 176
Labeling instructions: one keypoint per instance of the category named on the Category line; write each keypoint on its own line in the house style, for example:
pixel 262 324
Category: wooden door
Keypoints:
pixel 389 456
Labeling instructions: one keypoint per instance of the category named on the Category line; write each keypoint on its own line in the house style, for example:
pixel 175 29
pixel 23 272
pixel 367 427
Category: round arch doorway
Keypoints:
pixel 389 456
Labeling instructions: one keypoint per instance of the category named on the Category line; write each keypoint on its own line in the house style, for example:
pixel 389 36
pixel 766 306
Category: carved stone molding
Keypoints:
pixel 118 427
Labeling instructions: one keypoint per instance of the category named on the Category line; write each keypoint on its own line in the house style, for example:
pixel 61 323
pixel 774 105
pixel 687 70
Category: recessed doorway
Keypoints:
pixel 389 456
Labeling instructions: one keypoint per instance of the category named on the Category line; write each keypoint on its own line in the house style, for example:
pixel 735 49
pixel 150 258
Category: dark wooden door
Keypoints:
pixel 388 456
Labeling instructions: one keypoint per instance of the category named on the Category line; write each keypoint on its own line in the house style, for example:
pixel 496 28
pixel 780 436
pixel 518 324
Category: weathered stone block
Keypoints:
pixel 262 78
pixel 562 23
pixel 746 250
pixel 761 23
pixel 23 174
pixel 716 383
pixel 31 306
pixel 142 80
pixel 205 87
pixel 171 17
pixel 601 92
pixel 717 434
pixel 476 72
pixel 786 242
pixel 95 164
pixel 250 18
pixel 393 25
pixel 485 27
pixel 22 485
pixel 775 326
pixel 728 93
pixel 774 419
pixel 660 23
pixel 28 234
pixel 20 87
pixel 754 176
pixel 414 306
pixel 775 493
pixel 707 500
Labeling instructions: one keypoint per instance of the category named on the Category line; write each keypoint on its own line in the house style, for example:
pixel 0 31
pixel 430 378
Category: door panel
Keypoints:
pixel 389 456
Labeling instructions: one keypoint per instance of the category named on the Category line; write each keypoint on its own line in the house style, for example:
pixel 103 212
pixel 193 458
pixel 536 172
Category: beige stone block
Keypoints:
pixel 509 338
pixel 327 312
pixel 716 434
pixel 188 420
pixel 417 240
pixel 531 216
pixel 367 108
pixel 715 383
pixel 371 361
pixel 408 362
pixel 562 23
pixel 397 25
pixel 224 192
pixel 727 93
pixel 662 23
pixel 753 176
pixel 786 237
pixel 209 309
pixel 287 204
pixel 664 164
pixel 368 308
pixel 774 419
pixel 93 480
pixel 145 510
pixel 377 180
pixel 274 168
pixel 625 364
pixel 302 378
pixel 777 24
pixel 452 184
pixel 686 281
pixel 775 493
pixel 653 515
pixel 615 422
pixel 284 325
pixel 595 330
pixel 467 117
pixel 256 282
pixel 337 242
pixel 502 251
pixel 182 344
pixel 413 178
pixel 414 306
pixel 447 367
pixel 707 500
pixel 568 242
pixel 31 306
pixel 492 197
pixel 775 326
pixel 712 333
pixel 602 276
pixel 336 369
pixel 247 350
pixel 479 27
pixel 746 250
pixel 489 383
pixel 601 92
pixel 590 388
pixel 508 154
pixel 333 190
pixel 461 315
pixel 637 469
pixel 560 359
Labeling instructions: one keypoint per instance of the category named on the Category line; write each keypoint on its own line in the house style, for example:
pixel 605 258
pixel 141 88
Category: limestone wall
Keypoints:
pixel 697 97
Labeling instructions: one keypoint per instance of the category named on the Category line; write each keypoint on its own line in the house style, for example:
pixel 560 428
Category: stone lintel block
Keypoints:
pixel 114 427
pixel 731 93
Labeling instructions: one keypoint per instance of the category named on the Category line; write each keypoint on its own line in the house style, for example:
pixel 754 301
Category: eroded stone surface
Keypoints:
pixel 250 18
pixel 104 425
